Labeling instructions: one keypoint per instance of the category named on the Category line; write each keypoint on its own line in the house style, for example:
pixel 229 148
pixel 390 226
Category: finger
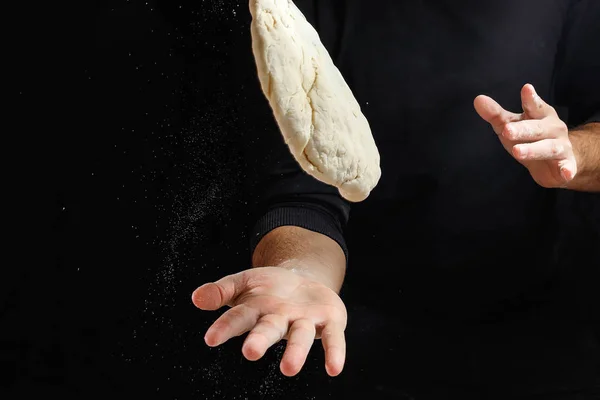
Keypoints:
pixel 528 130
pixel 533 105
pixel 547 149
pixel 214 295
pixel 535 129
pixel 234 322
pixel 493 113
pixel 334 344
pixel 269 330
pixel 300 339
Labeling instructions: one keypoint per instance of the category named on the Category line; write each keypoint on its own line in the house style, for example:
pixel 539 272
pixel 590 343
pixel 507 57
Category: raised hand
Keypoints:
pixel 273 303
pixel 537 138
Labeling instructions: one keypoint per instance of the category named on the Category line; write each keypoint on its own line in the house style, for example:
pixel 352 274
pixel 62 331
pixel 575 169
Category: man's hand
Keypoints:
pixel 537 138
pixel 275 303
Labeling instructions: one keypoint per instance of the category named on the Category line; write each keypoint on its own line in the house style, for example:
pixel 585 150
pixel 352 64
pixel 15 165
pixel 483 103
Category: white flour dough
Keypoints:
pixel 318 116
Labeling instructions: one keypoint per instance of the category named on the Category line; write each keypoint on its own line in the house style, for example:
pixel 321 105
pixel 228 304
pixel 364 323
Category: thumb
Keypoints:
pixel 533 105
pixel 493 113
pixel 214 295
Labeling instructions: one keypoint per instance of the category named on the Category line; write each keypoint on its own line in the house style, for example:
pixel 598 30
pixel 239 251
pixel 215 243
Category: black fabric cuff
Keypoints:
pixel 311 217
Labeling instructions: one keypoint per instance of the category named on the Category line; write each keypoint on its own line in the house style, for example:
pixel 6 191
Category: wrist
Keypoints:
pixel 314 270
pixel 315 256
pixel 585 142
pixel 578 151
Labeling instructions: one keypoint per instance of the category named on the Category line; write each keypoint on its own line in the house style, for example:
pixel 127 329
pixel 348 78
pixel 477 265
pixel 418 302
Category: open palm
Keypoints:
pixel 272 304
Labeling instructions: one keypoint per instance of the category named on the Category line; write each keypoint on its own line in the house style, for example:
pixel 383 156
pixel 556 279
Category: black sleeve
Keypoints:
pixel 282 194
pixel 578 90
pixel 578 64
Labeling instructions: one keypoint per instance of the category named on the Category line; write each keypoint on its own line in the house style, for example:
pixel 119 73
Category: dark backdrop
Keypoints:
pixel 150 205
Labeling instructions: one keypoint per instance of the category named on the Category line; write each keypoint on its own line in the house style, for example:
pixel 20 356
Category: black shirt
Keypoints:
pixel 453 211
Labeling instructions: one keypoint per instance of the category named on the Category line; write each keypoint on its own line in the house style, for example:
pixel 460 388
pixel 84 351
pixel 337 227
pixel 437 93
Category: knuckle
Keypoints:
pixel 556 148
pixel 265 335
pixel 327 332
pixel 295 345
pixel 539 128
pixel 282 309
pixel 236 312
pixel 335 315
pixel 331 332
pixel 269 322
pixel 221 290
pixel 562 128
pixel 509 132
pixel 304 325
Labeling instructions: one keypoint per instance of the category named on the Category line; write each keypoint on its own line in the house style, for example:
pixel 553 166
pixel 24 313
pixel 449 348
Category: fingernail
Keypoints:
pixel 519 152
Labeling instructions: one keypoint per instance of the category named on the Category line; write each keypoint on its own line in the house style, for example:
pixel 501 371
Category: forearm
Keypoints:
pixel 307 252
pixel 586 146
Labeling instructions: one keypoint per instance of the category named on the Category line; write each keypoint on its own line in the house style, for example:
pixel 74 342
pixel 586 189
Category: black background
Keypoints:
pixel 149 206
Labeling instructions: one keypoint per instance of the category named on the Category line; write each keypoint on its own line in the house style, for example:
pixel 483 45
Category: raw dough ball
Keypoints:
pixel 318 116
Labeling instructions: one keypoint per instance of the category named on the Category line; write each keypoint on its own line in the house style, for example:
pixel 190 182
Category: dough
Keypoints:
pixel 318 116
